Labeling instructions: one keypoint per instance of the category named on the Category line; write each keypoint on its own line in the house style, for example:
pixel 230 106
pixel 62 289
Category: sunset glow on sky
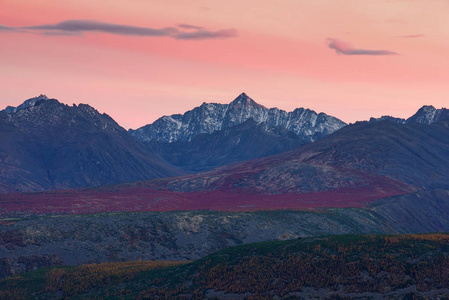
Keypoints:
pixel 137 60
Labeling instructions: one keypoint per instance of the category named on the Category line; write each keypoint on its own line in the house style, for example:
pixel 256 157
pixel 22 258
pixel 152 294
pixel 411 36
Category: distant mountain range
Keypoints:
pixel 214 135
pixel 425 115
pixel 48 145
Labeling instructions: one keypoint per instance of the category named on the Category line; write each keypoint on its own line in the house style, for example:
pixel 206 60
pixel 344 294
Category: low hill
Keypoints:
pixel 34 242
pixel 351 266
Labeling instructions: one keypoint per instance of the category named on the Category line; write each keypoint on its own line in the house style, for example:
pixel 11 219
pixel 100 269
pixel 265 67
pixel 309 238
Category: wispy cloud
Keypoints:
pixel 6 28
pixel 82 26
pixel 345 48
pixel 205 34
pixel 188 26
pixel 411 36
pixel 79 27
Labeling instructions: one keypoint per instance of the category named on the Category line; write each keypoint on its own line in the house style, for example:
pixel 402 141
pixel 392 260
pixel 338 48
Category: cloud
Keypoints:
pixel 205 34
pixel 79 27
pixel 188 26
pixel 6 28
pixel 344 48
pixel 412 36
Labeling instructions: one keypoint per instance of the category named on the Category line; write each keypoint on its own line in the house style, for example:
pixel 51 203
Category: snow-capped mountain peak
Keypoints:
pixel 243 101
pixel 210 117
pixel 429 114
pixel 27 104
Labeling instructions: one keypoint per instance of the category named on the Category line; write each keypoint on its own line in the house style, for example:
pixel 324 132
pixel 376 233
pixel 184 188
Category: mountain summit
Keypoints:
pixel 429 114
pixel 210 117
pixel 27 104
pixel 244 101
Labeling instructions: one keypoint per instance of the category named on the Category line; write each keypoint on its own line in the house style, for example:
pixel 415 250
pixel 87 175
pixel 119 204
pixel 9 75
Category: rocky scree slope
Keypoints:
pixel 48 145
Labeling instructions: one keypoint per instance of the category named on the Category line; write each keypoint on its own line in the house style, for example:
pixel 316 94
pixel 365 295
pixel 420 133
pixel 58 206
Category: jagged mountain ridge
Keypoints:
pixel 427 114
pixel 210 117
pixel 388 118
pixel 49 145
pixel 39 146
pixel 27 104
pixel 237 143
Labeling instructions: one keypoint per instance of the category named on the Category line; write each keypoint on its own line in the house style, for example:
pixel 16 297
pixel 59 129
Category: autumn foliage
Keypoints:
pixel 398 265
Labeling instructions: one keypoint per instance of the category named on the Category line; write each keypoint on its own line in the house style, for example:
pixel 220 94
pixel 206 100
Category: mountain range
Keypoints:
pixel 47 145
pixel 352 167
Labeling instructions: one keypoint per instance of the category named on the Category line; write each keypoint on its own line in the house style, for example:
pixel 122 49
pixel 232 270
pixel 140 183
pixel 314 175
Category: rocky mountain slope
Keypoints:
pixel 237 143
pixel 48 145
pixel 214 134
pixel 210 117
pixel 377 154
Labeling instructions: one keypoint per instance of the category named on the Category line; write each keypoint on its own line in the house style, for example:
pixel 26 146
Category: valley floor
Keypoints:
pixel 40 241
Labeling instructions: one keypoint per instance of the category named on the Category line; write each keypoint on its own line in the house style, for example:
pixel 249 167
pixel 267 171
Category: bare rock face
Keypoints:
pixel 210 117
pixel 49 145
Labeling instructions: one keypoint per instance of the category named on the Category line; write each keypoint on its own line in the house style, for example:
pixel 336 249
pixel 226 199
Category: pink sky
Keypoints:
pixel 352 59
